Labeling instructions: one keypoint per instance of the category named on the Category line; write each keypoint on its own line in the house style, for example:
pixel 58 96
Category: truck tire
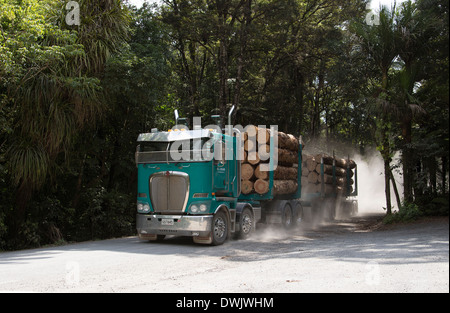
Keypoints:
pixel 246 224
pixel 287 218
pixel 299 218
pixel 219 229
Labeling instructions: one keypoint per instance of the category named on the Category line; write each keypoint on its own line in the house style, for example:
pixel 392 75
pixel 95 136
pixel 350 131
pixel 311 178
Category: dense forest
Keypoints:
pixel 79 81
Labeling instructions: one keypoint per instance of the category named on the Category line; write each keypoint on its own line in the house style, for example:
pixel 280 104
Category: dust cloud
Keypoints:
pixel 371 200
pixel 371 195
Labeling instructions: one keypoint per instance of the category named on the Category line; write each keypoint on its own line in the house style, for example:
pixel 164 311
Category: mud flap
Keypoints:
pixel 150 237
pixel 206 240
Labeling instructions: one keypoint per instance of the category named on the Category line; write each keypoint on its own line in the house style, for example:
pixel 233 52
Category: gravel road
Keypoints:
pixel 352 255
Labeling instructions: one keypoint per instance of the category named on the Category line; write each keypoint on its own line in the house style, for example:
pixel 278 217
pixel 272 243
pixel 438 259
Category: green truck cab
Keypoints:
pixel 191 191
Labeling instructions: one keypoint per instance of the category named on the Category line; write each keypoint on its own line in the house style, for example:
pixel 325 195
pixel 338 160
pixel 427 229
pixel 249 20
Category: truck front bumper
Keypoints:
pixel 149 225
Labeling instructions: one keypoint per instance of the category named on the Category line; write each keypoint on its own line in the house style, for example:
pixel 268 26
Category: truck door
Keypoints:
pixel 226 168
pixel 220 171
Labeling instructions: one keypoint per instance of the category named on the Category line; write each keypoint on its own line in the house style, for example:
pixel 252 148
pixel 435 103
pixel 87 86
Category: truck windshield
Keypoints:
pixel 199 150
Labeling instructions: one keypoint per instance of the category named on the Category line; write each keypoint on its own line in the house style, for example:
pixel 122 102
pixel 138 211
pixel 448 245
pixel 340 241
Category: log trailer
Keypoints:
pixel 190 184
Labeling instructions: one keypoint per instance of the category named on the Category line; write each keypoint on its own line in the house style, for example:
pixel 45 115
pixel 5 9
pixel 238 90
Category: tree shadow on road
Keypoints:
pixel 352 240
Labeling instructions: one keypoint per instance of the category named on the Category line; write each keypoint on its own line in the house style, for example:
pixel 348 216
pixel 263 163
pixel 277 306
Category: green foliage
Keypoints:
pixel 408 212
pixel 440 206
pixel 50 87
pixel 400 49
pixel 28 162
pixel 105 215
pixel 3 230
pixel 432 205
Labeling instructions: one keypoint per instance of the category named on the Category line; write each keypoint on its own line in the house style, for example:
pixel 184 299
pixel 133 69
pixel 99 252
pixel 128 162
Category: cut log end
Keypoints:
pixel 261 186
pixel 246 187
pixel 247 171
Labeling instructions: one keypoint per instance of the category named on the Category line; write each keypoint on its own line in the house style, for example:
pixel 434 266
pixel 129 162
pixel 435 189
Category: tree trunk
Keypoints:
pixel 311 163
pixel 243 50
pixel 387 185
pixel 328 169
pixel 444 175
pixel 328 179
pixel 247 171
pixel 261 174
pixel 250 145
pixel 288 141
pixel 263 136
pixel 246 187
pixel 261 186
pixel 253 158
pixel 264 152
pixel 299 95
pixel 407 156
pixel 285 173
pixel 397 195
pixel 287 157
pixel 222 57
pixel 305 171
pixel 313 178
pixel 284 187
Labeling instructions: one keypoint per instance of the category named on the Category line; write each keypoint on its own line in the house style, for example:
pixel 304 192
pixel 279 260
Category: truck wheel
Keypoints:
pixel 300 214
pixel 288 219
pixel 219 228
pixel 246 224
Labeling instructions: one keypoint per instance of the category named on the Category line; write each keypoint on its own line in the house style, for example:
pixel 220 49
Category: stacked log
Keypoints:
pixel 254 174
pixel 314 182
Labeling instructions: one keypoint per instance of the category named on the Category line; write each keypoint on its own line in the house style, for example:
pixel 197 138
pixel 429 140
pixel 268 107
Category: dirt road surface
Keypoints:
pixel 353 255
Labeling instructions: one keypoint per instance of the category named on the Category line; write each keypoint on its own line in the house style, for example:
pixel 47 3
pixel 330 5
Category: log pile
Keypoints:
pixel 255 177
pixel 313 181
pixel 256 154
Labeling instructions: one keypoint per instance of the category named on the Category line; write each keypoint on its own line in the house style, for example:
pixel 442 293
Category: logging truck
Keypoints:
pixel 213 183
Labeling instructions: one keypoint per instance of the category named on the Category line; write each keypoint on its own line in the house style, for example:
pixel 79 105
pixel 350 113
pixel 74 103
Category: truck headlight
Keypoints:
pixel 194 208
pixel 199 207
pixel 143 207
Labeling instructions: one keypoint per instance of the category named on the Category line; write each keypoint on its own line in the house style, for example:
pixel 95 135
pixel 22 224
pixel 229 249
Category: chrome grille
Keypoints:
pixel 169 191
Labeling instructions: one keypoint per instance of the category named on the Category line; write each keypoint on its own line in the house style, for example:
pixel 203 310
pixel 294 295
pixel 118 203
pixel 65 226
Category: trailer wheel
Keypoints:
pixel 246 223
pixel 299 218
pixel 288 219
pixel 219 228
